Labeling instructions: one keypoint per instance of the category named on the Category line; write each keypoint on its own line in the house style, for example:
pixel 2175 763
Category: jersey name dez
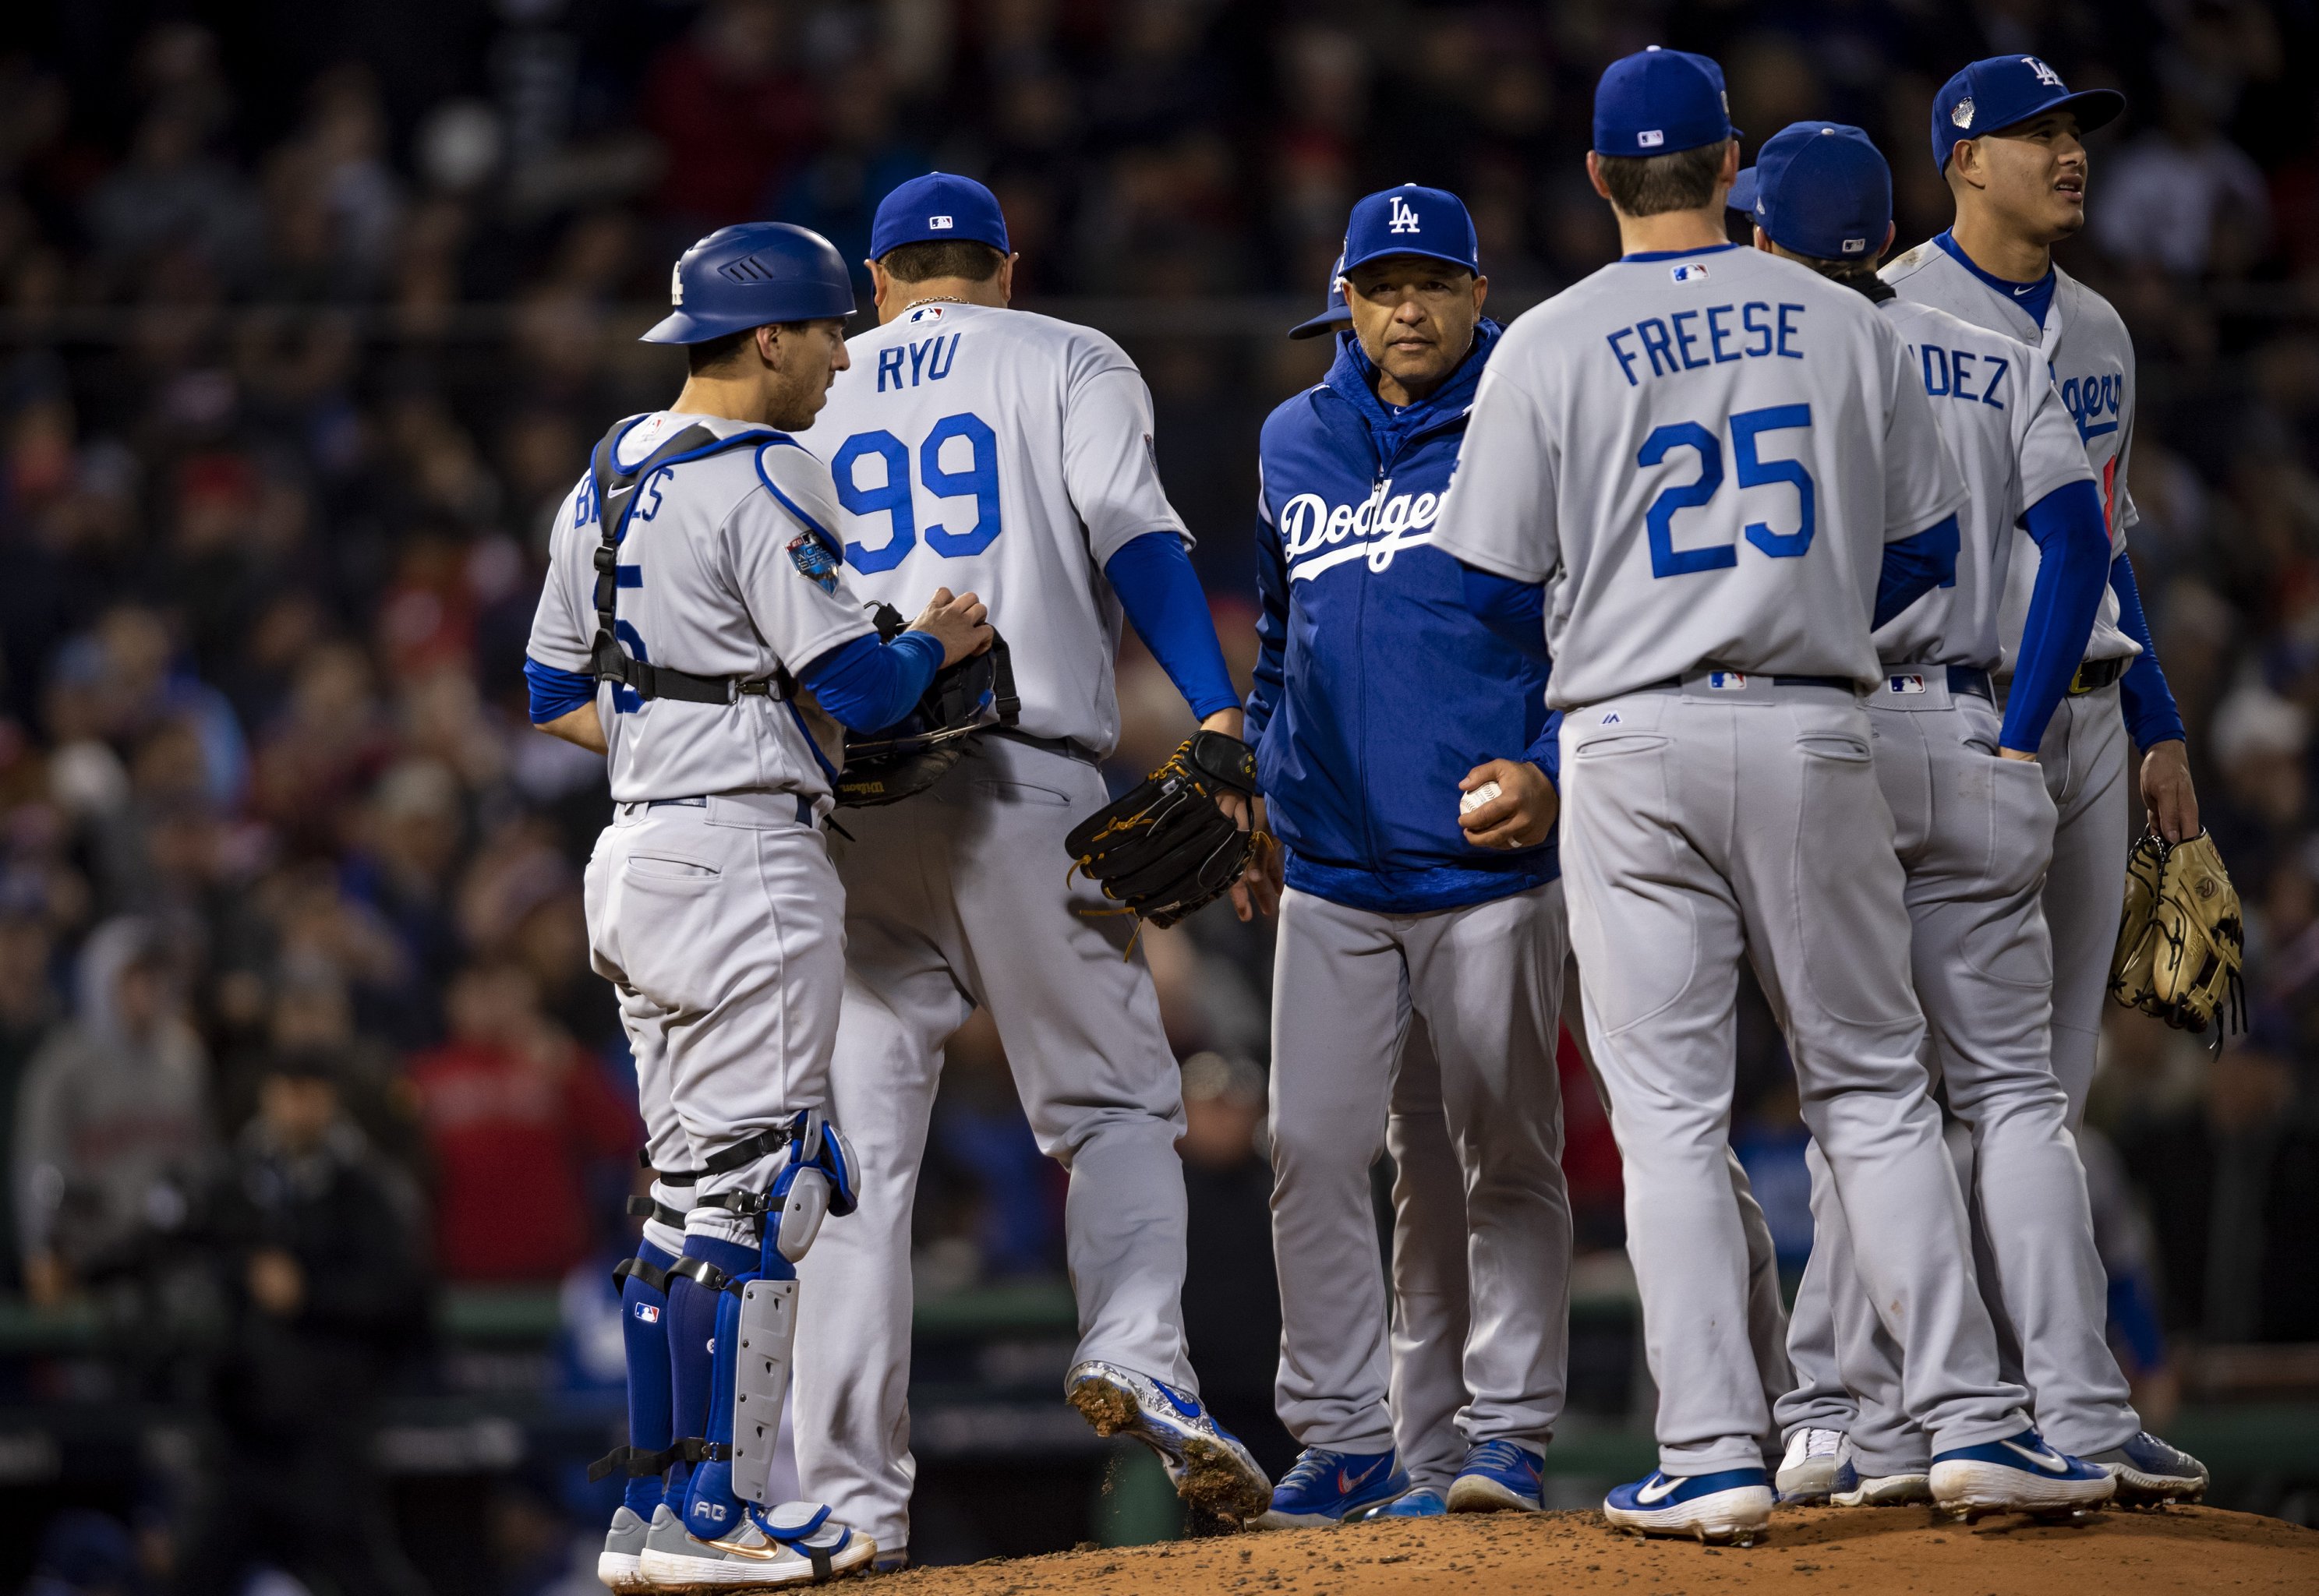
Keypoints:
pixel 1703 457
pixel 1008 454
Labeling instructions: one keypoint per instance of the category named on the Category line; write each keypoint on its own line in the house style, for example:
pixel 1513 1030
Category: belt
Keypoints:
pixel 1960 678
pixel 1069 747
pixel 754 799
pixel 2094 675
pixel 1841 683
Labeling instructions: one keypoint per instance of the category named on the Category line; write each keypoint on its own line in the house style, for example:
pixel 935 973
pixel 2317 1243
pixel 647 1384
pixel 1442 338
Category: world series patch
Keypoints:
pixel 814 560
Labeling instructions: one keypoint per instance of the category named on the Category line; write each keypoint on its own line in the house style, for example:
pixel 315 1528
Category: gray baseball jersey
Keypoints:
pixel 2012 440
pixel 724 571
pixel 1702 456
pixel 1736 814
pixel 1008 454
pixel 2091 359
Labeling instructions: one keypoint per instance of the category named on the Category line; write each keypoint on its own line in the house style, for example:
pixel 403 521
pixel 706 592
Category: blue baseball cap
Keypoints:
pixel 753 274
pixel 2005 91
pixel 1336 315
pixel 1658 101
pixel 1411 221
pixel 939 205
pixel 1821 189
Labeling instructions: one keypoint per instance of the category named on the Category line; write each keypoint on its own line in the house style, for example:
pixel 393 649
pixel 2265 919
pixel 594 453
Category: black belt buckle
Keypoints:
pixel 2093 675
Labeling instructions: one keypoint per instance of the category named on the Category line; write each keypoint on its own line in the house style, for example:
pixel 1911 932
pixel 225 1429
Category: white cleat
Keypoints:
pixel 795 1544
pixel 1807 1473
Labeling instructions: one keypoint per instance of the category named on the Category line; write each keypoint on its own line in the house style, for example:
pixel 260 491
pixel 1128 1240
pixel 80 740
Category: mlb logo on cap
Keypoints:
pixel 940 224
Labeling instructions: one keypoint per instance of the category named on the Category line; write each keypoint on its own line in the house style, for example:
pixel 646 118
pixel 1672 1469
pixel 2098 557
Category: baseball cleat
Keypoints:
pixel 2151 1473
pixel 2018 1474
pixel 1324 1487
pixel 624 1544
pixel 1209 1465
pixel 1732 1504
pixel 797 1543
pixel 1807 1473
pixel 1424 1502
pixel 1852 1489
pixel 1497 1477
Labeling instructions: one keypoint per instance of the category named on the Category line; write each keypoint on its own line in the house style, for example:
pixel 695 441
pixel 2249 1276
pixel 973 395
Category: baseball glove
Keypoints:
pixel 1164 849
pixel 2181 941
pixel 890 765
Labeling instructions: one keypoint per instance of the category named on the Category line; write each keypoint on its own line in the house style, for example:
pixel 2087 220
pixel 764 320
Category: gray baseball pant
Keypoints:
pixel 1486 979
pixel 1702 824
pixel 956 898
pixel 1971 831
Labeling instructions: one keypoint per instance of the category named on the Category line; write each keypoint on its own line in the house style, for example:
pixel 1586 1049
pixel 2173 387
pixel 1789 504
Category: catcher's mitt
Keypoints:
pixel 1164 849
pixel 2181 941
pixel 888 766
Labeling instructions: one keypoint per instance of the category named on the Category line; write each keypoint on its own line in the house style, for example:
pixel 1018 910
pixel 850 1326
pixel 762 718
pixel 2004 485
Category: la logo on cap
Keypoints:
pixel 1405 220
pixel 939 224
pixel 2045 74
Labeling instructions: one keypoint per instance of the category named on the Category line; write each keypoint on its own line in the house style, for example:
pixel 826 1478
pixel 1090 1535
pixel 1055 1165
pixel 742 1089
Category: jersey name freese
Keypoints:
pixel 1692 340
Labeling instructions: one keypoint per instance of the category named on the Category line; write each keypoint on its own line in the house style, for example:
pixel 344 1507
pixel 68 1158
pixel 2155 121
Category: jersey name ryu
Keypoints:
pixel 1315 536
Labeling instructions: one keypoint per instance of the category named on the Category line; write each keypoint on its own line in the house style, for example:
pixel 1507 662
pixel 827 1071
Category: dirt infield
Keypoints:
pixel 1878 1551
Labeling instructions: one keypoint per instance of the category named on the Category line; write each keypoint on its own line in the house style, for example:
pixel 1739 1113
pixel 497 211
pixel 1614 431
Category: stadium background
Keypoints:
pixel 308 317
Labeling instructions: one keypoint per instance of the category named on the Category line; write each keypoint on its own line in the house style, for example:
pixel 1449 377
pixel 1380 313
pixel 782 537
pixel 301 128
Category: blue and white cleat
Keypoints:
pixel 1323 1487
pixel 1424 1502
pixel 797 1543
pixel 1498 1477
pixel 1850 1488
pixel 1211 1469
pixel 2151 1473
pixel 1731 1505
pixel 2018 1474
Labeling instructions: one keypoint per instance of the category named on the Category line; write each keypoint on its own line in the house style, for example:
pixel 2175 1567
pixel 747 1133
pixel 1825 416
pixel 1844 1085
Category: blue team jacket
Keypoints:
pixel 1378 689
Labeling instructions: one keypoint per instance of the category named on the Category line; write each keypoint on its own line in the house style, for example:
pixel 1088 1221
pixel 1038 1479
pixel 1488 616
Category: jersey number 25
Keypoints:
pixel 964 434
pixel 1755 471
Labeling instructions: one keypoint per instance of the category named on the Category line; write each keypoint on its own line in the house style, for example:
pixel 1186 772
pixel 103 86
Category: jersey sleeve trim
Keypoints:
pixel 791 505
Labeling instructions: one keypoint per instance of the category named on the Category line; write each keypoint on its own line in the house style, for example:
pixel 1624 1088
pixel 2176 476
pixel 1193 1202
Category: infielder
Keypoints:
pixel 696 628
pixel 1974 825
pixel 2022 178
pixel 1407 758
pixel 976 444
pixel 1725 473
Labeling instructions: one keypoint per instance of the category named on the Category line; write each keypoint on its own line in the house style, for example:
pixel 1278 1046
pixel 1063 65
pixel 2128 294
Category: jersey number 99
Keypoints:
pixel 1755 471
pixel 967 435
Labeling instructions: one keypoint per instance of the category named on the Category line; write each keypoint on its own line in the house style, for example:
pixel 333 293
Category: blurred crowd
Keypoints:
pixel 308 318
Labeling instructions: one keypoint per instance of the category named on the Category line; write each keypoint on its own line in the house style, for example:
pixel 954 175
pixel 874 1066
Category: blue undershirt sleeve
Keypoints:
pixel 554 693
pixel 2073 562
pixel 1515 612
pixel 1156 584
pixel 1271 629
pixel 1913 567
pixel 867 686
pixel 2151 714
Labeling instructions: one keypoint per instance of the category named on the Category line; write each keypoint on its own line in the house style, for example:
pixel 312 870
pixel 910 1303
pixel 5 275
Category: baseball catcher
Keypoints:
pixel 1165 847
pixel 2182 939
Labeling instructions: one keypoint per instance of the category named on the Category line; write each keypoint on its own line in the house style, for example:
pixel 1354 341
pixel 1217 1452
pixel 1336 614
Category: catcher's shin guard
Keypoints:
pixel 643 1281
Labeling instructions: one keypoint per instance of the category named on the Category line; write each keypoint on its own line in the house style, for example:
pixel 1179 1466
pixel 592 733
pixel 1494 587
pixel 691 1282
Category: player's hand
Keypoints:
pixel 2167 792
pixel 961 625
pixel 2026 757
pixel 1257 890
pixel 1522 814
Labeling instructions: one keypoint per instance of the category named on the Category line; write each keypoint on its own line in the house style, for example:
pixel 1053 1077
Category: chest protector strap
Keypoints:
pixel 615 499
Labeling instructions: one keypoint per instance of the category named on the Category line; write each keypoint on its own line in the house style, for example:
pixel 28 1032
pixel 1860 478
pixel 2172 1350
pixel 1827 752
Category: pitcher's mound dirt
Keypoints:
pixel 1871 1552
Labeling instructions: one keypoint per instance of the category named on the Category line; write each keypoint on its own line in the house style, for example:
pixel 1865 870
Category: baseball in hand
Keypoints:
pixel 1470 801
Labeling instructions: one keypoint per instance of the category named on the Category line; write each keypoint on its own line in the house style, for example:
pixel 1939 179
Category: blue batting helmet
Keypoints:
pixel 751 275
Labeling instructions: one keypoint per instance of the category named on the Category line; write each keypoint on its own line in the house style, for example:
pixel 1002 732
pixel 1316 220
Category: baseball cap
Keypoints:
pixel 1658 101
pixel 1336 315
pixel 1820 188
pixel 2005 91
pixel 1411 221
pixel 940 205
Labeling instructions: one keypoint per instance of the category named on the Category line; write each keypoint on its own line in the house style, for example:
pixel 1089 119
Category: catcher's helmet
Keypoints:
pixel 751 275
